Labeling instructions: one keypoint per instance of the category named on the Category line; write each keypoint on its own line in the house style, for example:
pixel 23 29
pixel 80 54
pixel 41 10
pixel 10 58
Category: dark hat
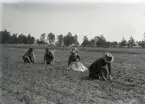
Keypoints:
pixel 31 49
pixel 46 48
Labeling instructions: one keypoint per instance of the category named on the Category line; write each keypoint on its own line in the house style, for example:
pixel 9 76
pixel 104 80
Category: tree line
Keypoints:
pixel 8 38
pixel 100 41
pixel 67 40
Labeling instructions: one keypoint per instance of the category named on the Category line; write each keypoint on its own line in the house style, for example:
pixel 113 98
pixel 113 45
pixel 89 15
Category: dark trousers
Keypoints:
pixel 26 60
pixel 101 74
pixel 49 61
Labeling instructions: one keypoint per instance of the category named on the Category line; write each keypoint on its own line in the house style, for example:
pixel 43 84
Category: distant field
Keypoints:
pixel 32 84
pixel 88 49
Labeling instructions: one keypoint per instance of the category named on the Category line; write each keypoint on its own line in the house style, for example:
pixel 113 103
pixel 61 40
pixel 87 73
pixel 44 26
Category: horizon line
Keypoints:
pixel 72 35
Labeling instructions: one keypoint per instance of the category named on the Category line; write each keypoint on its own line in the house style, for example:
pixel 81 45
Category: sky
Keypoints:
pixel 72 1
pixel 0 16
pixel 82 17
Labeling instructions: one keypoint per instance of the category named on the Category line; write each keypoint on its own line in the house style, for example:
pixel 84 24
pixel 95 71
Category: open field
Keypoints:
pixel 31 84
pixel 135 50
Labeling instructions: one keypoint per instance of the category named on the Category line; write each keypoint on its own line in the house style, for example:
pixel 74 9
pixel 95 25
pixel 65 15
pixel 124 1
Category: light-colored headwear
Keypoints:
pixel 108 56
pixel 74 50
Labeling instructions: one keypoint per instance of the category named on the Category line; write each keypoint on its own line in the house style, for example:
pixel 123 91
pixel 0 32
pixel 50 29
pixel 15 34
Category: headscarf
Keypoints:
pixel 74 50
pixel 46 49
pixel 30 50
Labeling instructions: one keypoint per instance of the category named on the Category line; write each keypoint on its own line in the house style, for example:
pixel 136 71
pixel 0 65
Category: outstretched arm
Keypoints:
pixel 53 55
pixel 78 57
pixel 69 60
pixel 109 68
pixel 33 55
pixel 28 57
pixel 44 59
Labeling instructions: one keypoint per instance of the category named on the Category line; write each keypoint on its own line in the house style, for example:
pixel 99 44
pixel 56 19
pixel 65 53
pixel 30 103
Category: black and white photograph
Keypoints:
pixel 72 51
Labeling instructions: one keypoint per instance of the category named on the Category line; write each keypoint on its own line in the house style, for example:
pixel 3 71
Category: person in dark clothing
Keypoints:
pixel 48 56
pixel 74 56
pixel 101 68
pixel 29 56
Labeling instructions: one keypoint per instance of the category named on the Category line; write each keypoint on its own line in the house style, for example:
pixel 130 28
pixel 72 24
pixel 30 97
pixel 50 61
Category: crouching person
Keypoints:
pixel 101 68
pixel 29 56
pixel 74 56
pixel 48 56
pixel 74 61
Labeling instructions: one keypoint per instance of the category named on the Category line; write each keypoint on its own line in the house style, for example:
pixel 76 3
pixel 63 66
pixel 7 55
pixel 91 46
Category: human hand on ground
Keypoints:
pixel 110 77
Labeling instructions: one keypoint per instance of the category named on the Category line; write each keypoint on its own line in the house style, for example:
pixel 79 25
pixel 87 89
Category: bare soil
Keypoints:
pixel 32 84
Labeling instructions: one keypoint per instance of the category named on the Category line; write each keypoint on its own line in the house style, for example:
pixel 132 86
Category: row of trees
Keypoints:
pixel 67 40
pixel 100 41
pixel 7 38
pixel 50 39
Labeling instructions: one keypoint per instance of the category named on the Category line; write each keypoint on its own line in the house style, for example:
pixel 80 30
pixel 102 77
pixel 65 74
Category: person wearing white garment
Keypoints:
pixel 74 61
